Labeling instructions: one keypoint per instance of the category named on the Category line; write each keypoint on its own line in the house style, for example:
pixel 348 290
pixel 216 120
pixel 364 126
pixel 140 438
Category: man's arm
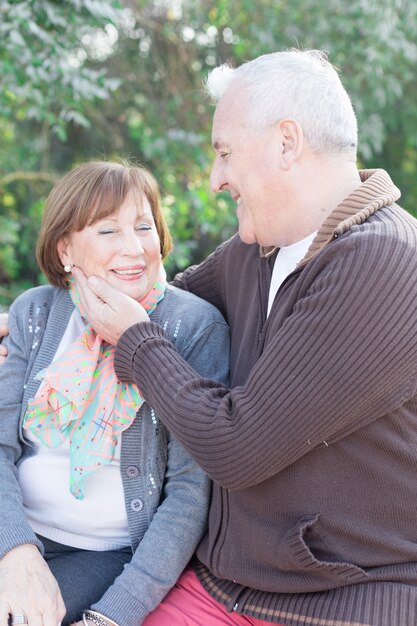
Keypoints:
pixel 345 356
pixel 180 518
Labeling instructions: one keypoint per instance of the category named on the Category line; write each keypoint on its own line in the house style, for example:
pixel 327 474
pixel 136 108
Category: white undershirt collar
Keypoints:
pixel 286 261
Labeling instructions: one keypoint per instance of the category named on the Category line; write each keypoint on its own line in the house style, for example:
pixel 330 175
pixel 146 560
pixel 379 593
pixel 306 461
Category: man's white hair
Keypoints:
pixel 298 84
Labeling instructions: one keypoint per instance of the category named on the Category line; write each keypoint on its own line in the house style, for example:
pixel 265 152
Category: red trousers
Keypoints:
pixel 189 604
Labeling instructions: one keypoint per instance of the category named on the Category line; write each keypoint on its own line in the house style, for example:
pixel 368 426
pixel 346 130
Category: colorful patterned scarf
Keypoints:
pixel 82 400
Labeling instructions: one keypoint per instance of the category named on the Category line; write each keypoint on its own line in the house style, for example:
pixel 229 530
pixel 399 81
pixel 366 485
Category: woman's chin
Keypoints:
pixel 133 291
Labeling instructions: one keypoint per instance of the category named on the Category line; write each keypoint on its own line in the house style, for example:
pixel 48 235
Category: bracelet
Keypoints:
pixel 97 618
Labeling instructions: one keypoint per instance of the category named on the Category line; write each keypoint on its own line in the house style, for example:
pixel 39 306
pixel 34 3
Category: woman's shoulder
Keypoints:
pixel 198 331
pixel 37 313
pixel 185 304
pixel 34 307
pixel 43 295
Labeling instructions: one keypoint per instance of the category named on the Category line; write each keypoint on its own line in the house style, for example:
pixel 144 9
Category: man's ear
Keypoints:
pixel 64 251
pixel 292 141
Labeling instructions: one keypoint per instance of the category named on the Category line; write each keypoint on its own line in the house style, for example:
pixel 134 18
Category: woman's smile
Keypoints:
pixel 129 273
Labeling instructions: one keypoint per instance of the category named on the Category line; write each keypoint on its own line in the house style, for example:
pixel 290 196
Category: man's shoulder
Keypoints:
pixel 386 240
pixel 390 224
pixel 396 214
pixel 393 225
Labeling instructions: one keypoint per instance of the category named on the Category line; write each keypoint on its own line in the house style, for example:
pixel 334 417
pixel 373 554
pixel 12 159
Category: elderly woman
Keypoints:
pixel 100 507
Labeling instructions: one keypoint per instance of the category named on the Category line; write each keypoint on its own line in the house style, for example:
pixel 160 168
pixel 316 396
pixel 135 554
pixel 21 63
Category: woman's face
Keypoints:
pixel 123 248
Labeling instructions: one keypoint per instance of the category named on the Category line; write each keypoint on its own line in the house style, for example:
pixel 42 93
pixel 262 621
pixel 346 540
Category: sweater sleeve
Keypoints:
pixel 180 519
pixel 344 356
pixel 14 528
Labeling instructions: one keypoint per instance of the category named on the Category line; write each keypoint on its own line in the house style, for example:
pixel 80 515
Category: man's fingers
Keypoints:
pixel 88 298
pixel 108 310
pixel 4 330
pixel 105 292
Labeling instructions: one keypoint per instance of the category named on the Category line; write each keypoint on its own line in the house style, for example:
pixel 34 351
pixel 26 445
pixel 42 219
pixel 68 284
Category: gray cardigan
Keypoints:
pixel 157 474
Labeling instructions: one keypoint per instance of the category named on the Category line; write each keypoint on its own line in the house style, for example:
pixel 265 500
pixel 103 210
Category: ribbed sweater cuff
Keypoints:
pixel 121 607
pixel 129 343
pixel 17 535
pixel 146 357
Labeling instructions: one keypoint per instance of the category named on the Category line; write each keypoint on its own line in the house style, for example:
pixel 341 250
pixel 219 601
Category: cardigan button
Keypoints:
pixel 132 471
pixel 136 504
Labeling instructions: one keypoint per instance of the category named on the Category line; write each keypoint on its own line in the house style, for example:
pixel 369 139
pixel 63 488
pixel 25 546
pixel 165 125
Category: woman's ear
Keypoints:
pixel 64 251
pixel 292 141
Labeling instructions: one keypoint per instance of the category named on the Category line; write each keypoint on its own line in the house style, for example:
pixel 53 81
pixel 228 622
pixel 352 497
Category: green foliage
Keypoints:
pixel 43 46
pixel 83 80
pixel 22 201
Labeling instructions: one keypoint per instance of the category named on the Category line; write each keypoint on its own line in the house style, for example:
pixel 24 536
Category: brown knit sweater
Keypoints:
pixel 313 449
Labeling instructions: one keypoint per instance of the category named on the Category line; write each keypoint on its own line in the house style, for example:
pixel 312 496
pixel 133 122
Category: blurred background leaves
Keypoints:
pixel 93 79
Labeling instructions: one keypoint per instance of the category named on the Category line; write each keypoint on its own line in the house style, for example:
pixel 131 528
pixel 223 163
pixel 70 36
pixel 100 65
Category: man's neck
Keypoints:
pixel 325 185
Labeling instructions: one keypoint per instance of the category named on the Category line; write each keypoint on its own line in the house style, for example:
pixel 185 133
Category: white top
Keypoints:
pixel 99 521
pixel 287 260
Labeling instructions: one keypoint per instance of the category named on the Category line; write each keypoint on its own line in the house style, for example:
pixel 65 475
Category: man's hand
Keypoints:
pixel 109 311
pixel 27 587
pixel 4 330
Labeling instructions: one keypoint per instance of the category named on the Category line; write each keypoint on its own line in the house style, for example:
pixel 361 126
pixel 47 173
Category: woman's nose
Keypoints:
pixel 132 243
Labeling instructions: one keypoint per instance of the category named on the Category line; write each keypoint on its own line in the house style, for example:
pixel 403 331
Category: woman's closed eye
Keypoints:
pixel 142 227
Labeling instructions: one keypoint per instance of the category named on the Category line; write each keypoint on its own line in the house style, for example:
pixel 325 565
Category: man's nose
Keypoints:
pixel 217 178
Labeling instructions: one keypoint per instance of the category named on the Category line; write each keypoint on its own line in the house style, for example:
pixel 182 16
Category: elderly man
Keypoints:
pixel 312 448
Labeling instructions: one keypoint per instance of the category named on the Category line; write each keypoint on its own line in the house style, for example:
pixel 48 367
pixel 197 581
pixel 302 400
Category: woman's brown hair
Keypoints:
pixel 88 193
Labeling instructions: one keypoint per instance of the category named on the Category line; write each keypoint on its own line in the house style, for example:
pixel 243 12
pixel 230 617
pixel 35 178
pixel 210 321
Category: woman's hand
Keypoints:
pixel 4 330
pixel 27 587
pixel 109 311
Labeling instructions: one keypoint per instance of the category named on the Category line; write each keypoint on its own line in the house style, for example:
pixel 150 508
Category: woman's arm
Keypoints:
pixel 14 528
pixel 26 584
pixel 166 546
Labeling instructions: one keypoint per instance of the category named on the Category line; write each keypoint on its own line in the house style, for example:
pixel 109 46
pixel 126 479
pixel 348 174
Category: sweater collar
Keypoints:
pixel 377 190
